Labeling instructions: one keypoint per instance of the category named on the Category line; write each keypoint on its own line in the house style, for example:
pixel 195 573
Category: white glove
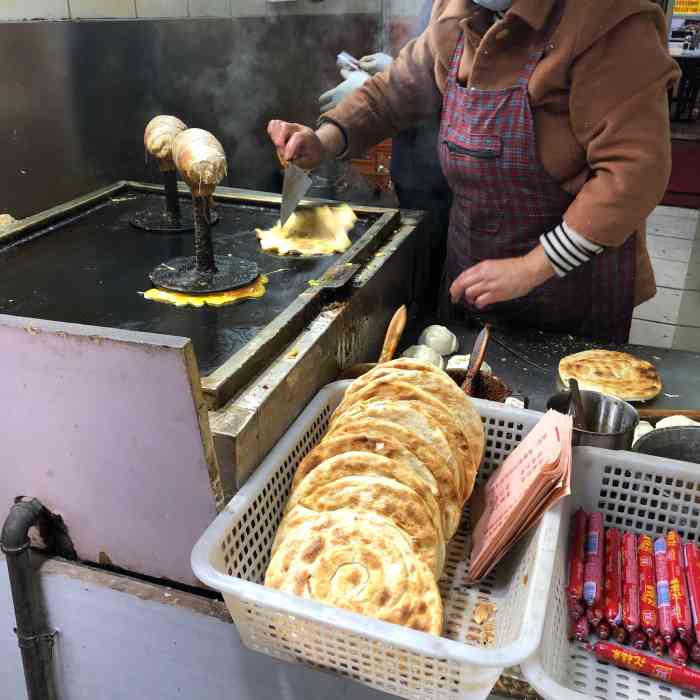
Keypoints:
pixel 375 63
pixel 353 80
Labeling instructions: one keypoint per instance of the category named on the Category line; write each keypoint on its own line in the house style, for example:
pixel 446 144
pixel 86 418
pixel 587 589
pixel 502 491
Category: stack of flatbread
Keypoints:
pixel 375 502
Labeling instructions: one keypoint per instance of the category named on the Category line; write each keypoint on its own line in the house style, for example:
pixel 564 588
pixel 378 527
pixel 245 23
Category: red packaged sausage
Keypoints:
pixel 646 665
pixel 680 609
pixel 638 639
pixel 577 555
pixel 613 576
pixel 678 653
pixel 619 634
pixel 648 618
pixel 630 582
pixel 595 615
pixel 576 610
pixel 594 559
pixel 658 645
pixel 603 630
pixel 692 569
pixel 582 629
pixel 663 596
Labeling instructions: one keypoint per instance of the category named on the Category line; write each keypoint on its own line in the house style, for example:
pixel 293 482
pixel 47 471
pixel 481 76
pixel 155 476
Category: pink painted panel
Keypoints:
pixel 101 426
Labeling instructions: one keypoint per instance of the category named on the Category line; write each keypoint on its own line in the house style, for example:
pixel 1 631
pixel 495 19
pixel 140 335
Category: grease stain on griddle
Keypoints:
pixel 88 269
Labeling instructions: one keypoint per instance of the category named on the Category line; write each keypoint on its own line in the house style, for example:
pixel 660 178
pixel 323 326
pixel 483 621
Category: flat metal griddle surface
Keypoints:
pixel 90 269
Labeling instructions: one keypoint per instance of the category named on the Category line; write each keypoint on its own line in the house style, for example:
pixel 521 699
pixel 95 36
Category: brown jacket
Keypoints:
pixel 599 97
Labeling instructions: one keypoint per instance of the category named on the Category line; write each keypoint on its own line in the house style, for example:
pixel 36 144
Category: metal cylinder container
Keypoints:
pixel 610 421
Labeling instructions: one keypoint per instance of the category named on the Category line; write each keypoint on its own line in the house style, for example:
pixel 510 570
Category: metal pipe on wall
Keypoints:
pixel 35 642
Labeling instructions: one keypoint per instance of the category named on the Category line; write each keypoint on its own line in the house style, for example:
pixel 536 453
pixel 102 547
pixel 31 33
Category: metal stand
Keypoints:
pixel 205 273
pixel 170 219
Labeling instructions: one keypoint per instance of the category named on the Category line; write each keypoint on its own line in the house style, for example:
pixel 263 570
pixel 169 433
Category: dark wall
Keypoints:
pixel 76 95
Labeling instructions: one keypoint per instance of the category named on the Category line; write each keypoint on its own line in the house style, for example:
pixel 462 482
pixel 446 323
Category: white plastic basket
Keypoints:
pixel 635 492
pixel 233 554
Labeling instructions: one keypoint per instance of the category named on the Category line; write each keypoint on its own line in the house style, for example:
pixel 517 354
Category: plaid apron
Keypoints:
pixel 504 200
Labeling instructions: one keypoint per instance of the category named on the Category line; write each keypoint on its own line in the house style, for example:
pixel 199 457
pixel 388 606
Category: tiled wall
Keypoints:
pixel 672 318
pixel 23 10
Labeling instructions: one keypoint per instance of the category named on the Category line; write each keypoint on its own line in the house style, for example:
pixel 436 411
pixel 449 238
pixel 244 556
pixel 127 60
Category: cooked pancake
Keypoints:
pixel 441 385
pixel 389 388
pixel 360 562
pixel 417 433
pixel 314 231
pixel 382 496
pixel 614 373
pixel 384 445
pixel 366 463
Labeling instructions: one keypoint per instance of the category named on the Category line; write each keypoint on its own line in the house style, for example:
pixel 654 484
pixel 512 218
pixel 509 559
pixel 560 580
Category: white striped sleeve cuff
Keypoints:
pixel 567 249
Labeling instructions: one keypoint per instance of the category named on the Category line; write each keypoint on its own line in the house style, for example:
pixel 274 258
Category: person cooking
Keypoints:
pixel 554 139
pixel 415 169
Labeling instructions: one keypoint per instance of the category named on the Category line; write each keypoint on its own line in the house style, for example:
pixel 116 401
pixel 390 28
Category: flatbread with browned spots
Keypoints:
pixel 383 444
pixel 382 496
pixel 359 562
pixel 419 434
pixel 440 385
pixel 391 389
pixel 615 373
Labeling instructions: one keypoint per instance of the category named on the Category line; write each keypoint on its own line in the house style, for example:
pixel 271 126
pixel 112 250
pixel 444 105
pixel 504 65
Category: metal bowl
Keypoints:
pixel 610 421
pixel 679 442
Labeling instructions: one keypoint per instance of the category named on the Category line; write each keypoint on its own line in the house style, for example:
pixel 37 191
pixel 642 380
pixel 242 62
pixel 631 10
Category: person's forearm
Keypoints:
pixel 332 139
pixel 538 266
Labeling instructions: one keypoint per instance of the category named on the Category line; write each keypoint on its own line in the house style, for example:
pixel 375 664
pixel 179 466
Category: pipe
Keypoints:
pixel 203 244
pixel 172 199
pixel 35 643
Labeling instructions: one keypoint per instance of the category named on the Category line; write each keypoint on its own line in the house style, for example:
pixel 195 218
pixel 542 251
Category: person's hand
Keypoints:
pixel 353 79
pixel 375 63
pixel 492 281
pixel 304 146
pixel 296 143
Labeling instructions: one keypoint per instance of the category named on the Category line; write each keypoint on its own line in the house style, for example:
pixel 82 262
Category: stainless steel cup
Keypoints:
pixel 610 421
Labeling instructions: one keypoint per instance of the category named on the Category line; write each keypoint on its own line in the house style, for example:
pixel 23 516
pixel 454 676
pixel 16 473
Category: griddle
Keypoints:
pixel 89 268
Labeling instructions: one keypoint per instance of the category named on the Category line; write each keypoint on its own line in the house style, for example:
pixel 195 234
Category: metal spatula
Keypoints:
pixel 296 185
pixel 576 410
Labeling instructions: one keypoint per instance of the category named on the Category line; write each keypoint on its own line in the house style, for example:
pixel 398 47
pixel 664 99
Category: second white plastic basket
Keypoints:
pixel 637 493
pixel 234 552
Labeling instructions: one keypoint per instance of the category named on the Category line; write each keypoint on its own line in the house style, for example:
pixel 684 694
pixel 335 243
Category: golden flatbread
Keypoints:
pixel 418 434
pixel 383 445
pixel 382 496
pixel 388 388
pixel 615 373
pixel 455 398
pixel 360 562
pixel 314 231
pixel 366 463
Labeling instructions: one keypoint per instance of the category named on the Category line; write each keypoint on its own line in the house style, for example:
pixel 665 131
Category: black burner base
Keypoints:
pixel 182 275
pixel 161 221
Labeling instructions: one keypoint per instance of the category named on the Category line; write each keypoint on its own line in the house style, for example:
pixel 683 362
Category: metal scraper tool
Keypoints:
pixel 296 185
